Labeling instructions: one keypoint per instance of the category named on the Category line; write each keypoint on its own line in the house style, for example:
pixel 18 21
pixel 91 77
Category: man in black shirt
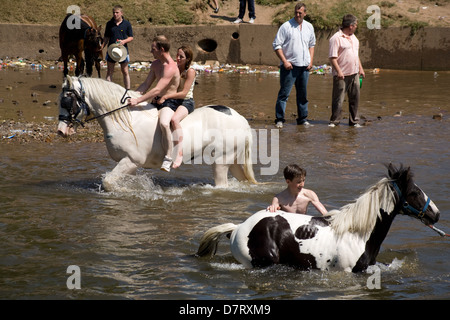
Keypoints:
pixel 118 31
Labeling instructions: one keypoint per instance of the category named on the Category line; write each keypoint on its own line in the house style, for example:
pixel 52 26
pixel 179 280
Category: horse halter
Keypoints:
pixel 71 105
pixel 407 206
pixel 74 104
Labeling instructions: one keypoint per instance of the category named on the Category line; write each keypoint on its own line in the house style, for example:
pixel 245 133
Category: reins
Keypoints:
pixel 84 105
pixel 440 232
pixel 122 101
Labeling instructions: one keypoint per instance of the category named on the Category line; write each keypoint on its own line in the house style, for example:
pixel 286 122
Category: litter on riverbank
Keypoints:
pixel 207 67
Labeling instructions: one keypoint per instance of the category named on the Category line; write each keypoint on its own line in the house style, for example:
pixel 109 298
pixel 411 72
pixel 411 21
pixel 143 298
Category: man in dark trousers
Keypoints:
pixel 347 70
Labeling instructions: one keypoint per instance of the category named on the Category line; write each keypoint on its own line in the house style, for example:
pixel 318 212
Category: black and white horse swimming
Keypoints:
pixel 347 239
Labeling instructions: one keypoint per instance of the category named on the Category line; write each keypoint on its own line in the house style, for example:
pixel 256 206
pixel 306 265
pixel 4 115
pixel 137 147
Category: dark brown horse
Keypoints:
pixel 78 36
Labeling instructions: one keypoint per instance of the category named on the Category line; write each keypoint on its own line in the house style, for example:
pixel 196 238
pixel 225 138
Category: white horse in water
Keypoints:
pixel 215 135
pixel 348 239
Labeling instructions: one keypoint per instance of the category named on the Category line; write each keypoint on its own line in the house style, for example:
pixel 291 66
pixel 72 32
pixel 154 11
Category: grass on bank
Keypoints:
pixel 325 15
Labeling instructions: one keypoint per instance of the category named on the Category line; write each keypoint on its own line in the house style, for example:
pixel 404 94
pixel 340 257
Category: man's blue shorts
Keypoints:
pixel 111 60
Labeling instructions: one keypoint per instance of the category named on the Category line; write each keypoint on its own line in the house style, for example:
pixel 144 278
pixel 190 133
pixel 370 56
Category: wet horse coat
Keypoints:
pixel 75 41
pixel 347 239
pixel 215 135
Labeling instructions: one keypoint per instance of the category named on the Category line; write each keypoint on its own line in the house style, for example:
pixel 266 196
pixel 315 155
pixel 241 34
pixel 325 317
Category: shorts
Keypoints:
pixel 111 60
pixel 175 103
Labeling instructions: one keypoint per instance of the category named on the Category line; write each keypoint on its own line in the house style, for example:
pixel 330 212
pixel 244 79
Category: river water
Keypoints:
pixel 139 243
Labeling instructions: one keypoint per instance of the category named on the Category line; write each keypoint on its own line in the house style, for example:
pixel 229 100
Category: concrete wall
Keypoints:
pixel 393 48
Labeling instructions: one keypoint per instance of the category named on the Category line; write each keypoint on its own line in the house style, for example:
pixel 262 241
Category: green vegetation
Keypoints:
pixel 325 15
pixel 167 12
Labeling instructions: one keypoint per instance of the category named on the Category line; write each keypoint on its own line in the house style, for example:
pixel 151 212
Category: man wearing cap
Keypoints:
pixel 118 33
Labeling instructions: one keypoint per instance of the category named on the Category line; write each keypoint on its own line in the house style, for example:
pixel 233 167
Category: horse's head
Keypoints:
pixel 94 41
pixel 73 108
pixel 412 201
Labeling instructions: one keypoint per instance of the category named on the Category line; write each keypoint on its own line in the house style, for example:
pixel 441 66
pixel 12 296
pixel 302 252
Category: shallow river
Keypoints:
pixel 140 243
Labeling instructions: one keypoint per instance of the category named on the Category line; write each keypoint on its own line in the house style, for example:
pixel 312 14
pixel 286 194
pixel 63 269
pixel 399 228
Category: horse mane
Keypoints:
pixel 361 216
pixel 105 96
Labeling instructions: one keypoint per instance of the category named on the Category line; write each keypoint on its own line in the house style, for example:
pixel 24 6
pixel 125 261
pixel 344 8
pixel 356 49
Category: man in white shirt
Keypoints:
pixel 294 45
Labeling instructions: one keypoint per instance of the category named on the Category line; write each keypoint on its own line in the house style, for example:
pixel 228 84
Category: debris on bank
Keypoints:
pixel 210 66
pixel 206 67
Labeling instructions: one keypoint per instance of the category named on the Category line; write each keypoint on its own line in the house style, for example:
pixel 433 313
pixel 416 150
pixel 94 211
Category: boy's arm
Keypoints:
pixel 317 204
pixel 275 205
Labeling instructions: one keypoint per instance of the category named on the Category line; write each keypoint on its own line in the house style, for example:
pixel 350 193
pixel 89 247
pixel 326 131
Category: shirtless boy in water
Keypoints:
pixel 295 198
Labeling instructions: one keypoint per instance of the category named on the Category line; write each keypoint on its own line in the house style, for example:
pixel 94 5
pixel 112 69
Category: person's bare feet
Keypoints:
pixel 178 160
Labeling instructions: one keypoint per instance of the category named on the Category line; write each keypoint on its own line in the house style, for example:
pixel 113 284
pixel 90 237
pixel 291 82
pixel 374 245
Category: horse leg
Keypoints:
pixel 80 66
pixel 65 60
pixel 125 166
pixel 97 66
pixel 89 62
pixel 80 62
pixel 221 174
pixel 238 172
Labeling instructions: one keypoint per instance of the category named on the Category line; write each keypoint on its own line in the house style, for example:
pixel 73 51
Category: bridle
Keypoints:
pixel 407 206
pixel 421 213
pixel 74 108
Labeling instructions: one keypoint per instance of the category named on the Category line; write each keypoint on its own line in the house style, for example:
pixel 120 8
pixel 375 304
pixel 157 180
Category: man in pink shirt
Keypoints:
pixel 347 69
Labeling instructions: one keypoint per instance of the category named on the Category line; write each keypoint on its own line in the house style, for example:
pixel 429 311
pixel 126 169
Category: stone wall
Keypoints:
pixel 393 48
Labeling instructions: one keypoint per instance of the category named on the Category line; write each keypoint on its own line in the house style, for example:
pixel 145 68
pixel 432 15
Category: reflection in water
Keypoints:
pixel 139 243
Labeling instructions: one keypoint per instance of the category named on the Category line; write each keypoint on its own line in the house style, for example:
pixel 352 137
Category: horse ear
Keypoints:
pixel 391 170
pixel 99 28
pixel 408 173
pixel 405 176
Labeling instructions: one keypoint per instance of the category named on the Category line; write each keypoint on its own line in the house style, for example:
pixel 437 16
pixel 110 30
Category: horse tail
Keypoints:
pixel 248 165
pixel 210 240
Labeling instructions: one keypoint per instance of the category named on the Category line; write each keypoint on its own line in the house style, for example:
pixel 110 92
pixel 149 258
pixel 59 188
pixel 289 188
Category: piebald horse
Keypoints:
pixel 348 239
pixel 215 135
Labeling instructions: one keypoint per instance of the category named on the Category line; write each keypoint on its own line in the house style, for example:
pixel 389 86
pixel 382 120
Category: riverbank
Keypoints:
pixel 393 48
pixel 413 34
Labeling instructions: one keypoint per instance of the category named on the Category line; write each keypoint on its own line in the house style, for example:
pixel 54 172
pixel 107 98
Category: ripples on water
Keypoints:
pixel 139 242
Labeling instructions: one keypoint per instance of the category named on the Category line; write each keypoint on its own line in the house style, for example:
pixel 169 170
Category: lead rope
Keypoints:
pixel 440 232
